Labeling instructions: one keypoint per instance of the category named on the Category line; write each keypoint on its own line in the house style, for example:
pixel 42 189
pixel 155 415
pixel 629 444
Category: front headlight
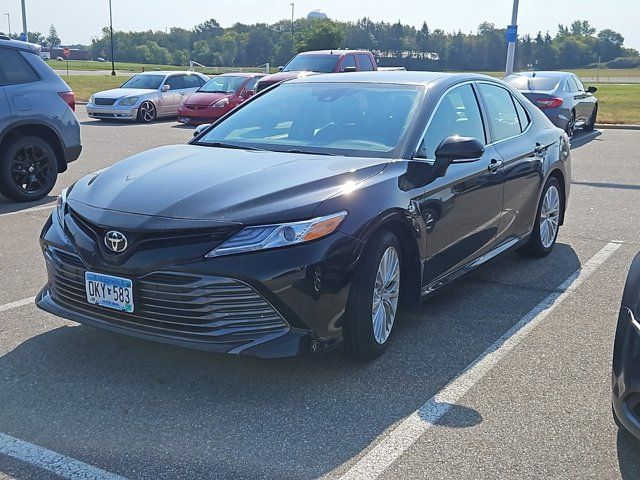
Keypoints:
pixel 129 101
pixel 264 237
pixel 223 102
pixel 61 206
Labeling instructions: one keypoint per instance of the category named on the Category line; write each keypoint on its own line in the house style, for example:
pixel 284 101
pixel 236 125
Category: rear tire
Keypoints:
pixel 373 300
pixel 547 224
pixel 591 124
pixel 28 169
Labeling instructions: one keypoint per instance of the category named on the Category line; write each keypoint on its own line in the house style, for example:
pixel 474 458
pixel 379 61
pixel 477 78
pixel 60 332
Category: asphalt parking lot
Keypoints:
pixel 536 406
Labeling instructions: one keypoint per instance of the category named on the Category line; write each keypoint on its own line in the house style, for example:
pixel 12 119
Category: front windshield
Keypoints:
pixel 149 82
pixel 312 63
pixel 355 119
pixel 222 84
pixel 545 84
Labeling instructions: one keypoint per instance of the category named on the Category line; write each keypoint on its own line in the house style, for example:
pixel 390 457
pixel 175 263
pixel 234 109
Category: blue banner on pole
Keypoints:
pixel 23 37
pixel 512 34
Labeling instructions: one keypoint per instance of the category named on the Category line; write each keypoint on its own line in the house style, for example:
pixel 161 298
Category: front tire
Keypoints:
pixel 374 297
pixel 571 125
pixel 547 224
pixel 147 112
pixel 28 169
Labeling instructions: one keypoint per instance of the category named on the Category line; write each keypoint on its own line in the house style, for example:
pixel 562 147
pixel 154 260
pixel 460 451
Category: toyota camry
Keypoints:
pixel 310 215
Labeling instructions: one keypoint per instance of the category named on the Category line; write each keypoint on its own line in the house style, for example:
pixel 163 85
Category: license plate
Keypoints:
pixel 108 291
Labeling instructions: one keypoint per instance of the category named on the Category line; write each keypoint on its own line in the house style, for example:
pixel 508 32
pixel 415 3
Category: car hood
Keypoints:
pixel 123 92
pixel 222 185
pixel 205 99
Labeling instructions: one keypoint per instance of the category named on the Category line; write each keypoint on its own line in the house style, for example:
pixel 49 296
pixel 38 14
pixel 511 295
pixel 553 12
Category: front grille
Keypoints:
pixel 156 239
pixel 104 101
pixel 196 107
pixel 190 307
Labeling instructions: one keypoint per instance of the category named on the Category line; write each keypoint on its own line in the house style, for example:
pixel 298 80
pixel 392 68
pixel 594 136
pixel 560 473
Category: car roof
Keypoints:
pixel 18 45
pixel 393 77
pixel 544 73
pixel 332 52
pixel 169 72
pixel 239 74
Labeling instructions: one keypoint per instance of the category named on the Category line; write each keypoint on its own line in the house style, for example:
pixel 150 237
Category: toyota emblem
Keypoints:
pixel 115 241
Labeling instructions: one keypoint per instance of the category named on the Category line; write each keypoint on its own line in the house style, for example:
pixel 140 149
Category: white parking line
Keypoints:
pixel 61 465
pixel 28 210
pixel 17 304
pixel 406 433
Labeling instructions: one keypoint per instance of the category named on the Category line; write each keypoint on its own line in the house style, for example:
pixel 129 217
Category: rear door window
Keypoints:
pixel 348 61
pixel 191 81
pixel 14 69
pixel 366 65
pixel 251 84
pixel 501 111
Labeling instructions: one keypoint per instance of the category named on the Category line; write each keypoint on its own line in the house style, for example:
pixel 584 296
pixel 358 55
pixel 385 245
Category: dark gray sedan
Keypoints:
pixel 561 96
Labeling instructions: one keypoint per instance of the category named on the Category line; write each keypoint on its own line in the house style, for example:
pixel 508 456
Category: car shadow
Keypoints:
pixel 628 455
pixel 582 138
pixel 9 206
pixel 178 413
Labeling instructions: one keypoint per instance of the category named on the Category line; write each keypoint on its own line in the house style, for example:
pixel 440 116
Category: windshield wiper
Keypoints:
pixel 230 145
pixel 306 152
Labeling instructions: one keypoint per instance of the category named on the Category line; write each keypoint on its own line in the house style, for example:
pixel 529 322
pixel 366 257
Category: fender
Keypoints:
pixel 60 152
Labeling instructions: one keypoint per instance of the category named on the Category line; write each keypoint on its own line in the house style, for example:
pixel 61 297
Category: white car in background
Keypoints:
pixel 146 96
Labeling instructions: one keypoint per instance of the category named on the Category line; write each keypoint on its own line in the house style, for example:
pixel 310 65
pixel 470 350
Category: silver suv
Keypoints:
pixel 39 132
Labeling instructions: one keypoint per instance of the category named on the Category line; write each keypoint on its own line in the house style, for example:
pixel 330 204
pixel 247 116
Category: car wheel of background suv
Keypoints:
pixel 28 169
pixel 374 296
pixel 547 224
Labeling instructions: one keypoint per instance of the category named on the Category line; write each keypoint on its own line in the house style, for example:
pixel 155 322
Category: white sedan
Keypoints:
pixel 146 96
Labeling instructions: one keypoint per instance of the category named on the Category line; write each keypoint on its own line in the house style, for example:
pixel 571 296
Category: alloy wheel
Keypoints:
pixel 147 112
pixel 32 170
pixel 386 292
pixel 549 216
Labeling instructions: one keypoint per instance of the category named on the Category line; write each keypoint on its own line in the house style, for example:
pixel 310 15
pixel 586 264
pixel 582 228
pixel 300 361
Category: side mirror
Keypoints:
pixel 280 68
pixel 350 69
pixel 249 93
pixel 166 88
pixel 457 149
pixel 200 128
pixel 592 90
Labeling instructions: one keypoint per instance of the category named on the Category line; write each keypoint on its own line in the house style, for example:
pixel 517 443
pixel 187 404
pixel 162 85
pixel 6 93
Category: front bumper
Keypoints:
pixel 199 117
pixel 268 304
pixel 115 112
pixel 626 373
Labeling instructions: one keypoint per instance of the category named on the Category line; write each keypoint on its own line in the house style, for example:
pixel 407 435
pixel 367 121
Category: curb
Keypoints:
pixel 614 126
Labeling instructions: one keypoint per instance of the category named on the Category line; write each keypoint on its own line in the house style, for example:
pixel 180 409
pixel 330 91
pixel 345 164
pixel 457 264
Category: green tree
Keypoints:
pixel 323 35
pixel 53 39
pixel 610 44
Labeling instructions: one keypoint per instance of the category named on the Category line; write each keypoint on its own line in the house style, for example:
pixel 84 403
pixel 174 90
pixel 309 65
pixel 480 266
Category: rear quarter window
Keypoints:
pixel 14 68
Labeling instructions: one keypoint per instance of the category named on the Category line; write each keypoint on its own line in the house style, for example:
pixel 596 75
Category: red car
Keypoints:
pixel 321 61
pixel 217 97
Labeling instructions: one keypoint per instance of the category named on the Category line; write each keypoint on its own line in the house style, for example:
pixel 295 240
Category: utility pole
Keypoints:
pixel 293 6
pixel 9 20
pixel 24 22
pixel 113 62
pixel 512 39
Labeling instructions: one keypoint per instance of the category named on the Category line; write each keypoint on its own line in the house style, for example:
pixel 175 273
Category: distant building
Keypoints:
pixel 317 15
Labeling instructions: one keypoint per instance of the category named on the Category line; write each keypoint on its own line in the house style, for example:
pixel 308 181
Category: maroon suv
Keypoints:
pixel 321 61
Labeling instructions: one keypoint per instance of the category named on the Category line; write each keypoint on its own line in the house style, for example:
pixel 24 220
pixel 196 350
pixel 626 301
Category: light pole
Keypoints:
pixel 293 6
pixel 9 20
pixel 512 39
pixel 24 22
pixel 113 62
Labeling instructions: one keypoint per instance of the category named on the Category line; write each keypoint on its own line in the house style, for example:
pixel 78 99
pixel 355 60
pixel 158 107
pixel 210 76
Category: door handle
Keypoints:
pixel 495 165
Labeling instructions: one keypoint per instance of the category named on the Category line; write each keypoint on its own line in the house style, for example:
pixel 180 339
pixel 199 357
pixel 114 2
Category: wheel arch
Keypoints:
pixel 411 273
pixel 559 175
pixel 45 132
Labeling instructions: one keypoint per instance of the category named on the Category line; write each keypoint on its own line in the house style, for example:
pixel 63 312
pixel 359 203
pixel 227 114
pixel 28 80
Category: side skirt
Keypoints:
pixel 451 276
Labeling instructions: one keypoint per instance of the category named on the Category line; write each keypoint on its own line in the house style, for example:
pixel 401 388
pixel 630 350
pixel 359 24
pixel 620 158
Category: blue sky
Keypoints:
pixel 79 20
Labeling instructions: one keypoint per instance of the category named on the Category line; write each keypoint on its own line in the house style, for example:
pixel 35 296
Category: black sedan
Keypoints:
pixel 309 215
pixel 626 356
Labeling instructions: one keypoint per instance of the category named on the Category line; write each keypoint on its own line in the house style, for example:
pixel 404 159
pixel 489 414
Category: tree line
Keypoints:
pixel 576 45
